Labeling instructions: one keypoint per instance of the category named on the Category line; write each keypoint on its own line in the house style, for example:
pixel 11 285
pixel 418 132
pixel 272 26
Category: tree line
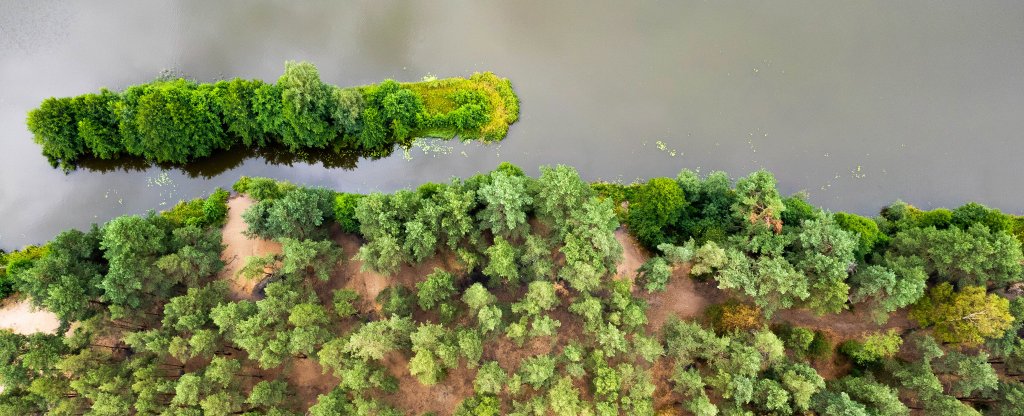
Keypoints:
pixel 178 120
pixel 532 266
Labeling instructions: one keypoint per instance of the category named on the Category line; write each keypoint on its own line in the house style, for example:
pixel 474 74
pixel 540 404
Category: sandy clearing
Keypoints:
pixel 633 254
pixel 21 317
pixel 238 248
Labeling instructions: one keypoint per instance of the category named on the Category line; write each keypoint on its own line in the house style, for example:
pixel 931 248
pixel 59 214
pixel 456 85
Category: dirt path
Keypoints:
pixel 20 317
pixel 238 248
pixel 633 254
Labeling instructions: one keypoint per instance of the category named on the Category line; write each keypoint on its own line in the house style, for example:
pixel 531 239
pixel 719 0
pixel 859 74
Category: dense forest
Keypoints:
pixel 176 120
pixel 508 294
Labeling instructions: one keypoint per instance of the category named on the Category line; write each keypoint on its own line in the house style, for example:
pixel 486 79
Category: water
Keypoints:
pixel 858 103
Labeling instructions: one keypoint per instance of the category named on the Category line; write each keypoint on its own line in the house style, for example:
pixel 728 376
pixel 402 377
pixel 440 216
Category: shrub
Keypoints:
pixel 820 347
pixel 655 274
pixel 872 348
pixel 655 210
pixel 395 300
pixel 345 211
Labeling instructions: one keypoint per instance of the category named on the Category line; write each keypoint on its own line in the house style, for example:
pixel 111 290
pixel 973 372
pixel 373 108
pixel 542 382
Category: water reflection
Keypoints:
pixel 224 160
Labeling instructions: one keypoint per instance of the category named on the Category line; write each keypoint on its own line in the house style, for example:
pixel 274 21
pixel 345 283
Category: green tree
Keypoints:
pixel 654 210
pixel 591 250
pixel 344 302
pixel 757 201
pixel 771 282
pixel 501 261
pixel 540 297
pixel 375 339
pixel 131 245
pixel 885 290
pixel 306 107
pixel 974 256
pixel 824 252
pixel 537 370
pixel 973 373
pixel 268 393
pixel 877 398
pixel 299 214
pixel 560 191
pixel 67 280
pixel 866 230
pixel 490 379
pixel 505 202
pixel 873 348
pixel 310 257
pixel 655 274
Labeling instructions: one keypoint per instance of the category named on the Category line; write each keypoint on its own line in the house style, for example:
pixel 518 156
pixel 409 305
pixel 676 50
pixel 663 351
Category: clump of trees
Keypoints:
pixel 179 120
pixel 524 262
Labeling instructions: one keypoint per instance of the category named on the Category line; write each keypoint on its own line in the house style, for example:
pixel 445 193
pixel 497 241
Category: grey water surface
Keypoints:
pixel 858 103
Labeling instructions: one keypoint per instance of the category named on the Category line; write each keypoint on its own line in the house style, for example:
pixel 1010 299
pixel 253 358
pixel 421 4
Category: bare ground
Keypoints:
pixel 238 248
pixel 19 316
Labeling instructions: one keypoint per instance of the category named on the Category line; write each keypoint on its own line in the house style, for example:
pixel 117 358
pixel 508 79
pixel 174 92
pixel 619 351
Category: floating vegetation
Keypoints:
pixel 662 146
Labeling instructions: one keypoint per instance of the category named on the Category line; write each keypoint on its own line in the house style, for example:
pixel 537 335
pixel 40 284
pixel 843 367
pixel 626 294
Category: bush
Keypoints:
pixel 655 210
pixel 866 230
pixel 396 300
pixel 873 348
pixel 820 347
pixel 345 212
pixel 655 274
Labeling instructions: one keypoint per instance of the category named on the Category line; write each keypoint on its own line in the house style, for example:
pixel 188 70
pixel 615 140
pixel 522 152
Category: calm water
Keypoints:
pixel 858 103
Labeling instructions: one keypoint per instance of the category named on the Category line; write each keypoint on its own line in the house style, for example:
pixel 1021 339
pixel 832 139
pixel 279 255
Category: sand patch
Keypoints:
pixel 21 317
pixel 238 248
pixel 633 254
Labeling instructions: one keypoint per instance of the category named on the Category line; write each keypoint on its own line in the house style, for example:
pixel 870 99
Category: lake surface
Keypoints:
pixel 858 103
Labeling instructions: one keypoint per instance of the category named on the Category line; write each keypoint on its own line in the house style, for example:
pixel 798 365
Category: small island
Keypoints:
pixel 177 121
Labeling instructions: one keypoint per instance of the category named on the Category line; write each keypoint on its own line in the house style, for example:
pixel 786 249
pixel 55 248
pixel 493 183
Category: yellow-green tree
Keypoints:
pixel 968 316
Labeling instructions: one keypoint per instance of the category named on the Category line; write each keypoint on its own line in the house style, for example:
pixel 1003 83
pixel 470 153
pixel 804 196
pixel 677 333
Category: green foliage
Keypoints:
pixel 966 257
pixel 344 302
pixel 757 201
pixel 300 213
pixel 591 250
pixel 131 245
pixel 655 274
pixel 396 300
pixel 876 398
pixel 345 211
pixel 179 121
pixel 770 281
pixel 655 210
pixel 538 370
pixel 540 297
pixel 375 339
pixel 973 373
pixel 873 348
pixel 886 290
pixel 968 316
pixel 490 379
pixel 824 253
pixel 866 230
pixel 435 351
pixel 797 211
pixel 501 261
pixel 505 203
pixel 309 257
